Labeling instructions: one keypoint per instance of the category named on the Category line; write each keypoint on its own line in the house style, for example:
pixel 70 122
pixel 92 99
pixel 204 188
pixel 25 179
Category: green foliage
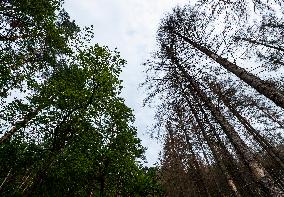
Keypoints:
pixel 73 134
pixel 35 34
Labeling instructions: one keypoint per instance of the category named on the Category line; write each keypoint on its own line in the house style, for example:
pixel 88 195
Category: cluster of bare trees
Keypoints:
pixel 223 100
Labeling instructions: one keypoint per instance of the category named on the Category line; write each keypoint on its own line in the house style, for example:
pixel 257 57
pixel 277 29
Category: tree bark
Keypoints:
pixel 200 183
pixel 212 147
pixel 260 43
pixel 19 124
pixel 269 115
pixel 260 139
pixel 255 82
pixel 197 165
pixel 258 171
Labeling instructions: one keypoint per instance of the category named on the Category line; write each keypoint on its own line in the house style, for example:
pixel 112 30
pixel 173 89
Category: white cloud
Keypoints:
pixel 129 25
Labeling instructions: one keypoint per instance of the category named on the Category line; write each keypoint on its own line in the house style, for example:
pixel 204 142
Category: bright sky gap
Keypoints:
pixel 130 26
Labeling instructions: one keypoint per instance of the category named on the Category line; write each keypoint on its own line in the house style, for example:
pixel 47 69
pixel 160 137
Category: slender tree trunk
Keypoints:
pixel 229 178
pixel 261 43
pixel 25 179
pixel 258 171
pixel 39 177
pixel 269 115
pixel 214 152
pixel 215 180
pixel 19 124
pixel 200 183
pixel 230 164
pixel 5 179
pixel 260 139
pixel 197 165
pixel 255 82
pixel 7 136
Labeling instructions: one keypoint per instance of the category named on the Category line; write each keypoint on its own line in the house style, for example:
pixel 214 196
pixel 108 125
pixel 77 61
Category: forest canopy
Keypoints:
pixel 65 129
pixel 215 80
pixel 218 74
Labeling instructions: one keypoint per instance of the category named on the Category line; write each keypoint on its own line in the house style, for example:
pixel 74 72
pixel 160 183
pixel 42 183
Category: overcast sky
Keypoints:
pixel 129 25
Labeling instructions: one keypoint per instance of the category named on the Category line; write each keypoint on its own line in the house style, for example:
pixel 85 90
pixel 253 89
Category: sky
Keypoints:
pixel 130 26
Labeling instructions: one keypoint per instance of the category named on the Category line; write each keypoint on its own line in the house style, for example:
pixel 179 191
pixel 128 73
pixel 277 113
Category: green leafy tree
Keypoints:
pixel 72 134
pixel 35 34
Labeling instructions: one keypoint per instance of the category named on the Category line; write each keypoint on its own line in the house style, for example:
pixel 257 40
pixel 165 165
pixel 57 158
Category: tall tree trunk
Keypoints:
pixel 38 179
pixel 258 171
pixel 203 190
pixel 269 115
pixel 256 135
pixel 231 166
pixel 215 180
pixel 212 147
pixel 5 179
pixel 252 41
pixel 19 124
pixel 197 166
pixel 259 85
